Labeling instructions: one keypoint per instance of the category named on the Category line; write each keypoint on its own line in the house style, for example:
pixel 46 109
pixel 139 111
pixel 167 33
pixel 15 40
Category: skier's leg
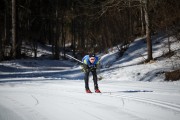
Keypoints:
pixel 95 80
pixel 86 80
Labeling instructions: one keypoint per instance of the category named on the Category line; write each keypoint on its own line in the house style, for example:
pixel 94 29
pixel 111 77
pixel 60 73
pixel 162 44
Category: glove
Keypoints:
pixel 85 68
pixel 93 68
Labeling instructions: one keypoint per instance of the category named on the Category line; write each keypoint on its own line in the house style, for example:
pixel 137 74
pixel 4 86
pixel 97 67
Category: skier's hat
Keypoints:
pixel 92 55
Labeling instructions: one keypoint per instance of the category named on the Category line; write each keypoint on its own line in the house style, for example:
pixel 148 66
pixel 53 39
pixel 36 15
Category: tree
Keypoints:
pixel 148 30
pixel 14 35
pixel 1 49
pixel 15 51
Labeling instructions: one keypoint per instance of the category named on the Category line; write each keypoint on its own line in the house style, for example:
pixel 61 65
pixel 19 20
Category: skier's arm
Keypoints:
pixel 85 67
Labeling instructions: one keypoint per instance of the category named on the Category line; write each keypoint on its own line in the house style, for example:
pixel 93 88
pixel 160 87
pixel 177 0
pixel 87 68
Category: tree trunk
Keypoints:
pixel 7 29
pixel 1 48
pixel 57 43
pixel 148 31
pixel 142 20
pixel 18 41
pixel 14 35
pixel 2 24
pixel 63 32
pixel 73 44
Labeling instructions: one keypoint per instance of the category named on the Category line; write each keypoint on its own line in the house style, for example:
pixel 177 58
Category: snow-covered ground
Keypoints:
pixel 54 90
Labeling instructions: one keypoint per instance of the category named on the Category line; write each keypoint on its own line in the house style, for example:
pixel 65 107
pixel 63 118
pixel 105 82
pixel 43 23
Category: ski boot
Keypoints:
pixel 97 91
pixel 88 91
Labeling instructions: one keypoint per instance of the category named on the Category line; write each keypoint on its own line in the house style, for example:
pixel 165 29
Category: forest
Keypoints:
pixel 83 26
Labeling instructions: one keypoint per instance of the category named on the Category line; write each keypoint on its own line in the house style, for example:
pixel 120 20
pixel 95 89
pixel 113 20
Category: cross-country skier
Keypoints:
pixel 91 62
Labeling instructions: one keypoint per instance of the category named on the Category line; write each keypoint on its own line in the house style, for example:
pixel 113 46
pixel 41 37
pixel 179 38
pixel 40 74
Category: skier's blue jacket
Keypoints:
pixel 86 61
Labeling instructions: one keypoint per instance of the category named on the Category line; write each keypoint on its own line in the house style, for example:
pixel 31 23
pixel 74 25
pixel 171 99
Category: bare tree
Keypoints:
pixel 142 19
pixel 1 48
pixel 148 30
pixel 16 50
pixel 14 35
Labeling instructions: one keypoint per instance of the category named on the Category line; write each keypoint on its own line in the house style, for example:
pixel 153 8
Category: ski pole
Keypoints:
pixel 74 58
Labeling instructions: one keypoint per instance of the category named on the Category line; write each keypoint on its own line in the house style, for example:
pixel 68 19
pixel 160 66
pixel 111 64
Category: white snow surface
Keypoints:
pixel 54 90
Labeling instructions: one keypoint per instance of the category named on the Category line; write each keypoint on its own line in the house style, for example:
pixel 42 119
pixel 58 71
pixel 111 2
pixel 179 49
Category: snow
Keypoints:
pixel 54 89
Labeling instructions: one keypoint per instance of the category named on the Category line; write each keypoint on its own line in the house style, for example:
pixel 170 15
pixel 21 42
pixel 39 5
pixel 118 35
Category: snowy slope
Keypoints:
pixel 130 66
pixel 54 90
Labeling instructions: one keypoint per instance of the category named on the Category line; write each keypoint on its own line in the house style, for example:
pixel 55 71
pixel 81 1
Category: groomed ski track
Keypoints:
pixel 67 100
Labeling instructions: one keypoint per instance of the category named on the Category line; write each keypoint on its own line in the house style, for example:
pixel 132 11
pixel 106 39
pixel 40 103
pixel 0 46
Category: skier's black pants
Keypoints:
pixel 86 79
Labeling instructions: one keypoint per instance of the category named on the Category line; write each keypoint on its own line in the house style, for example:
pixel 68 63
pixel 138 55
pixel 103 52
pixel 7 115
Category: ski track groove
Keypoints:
pixel 168 105
pixel 175 107
pixel 27 112
pixel 37 101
